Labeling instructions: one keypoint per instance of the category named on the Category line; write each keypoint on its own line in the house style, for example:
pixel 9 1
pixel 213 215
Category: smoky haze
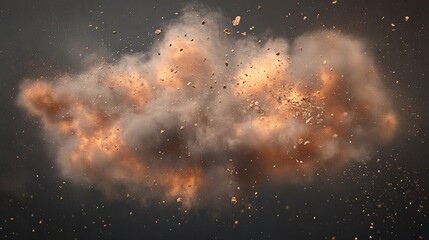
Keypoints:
pixel 203 115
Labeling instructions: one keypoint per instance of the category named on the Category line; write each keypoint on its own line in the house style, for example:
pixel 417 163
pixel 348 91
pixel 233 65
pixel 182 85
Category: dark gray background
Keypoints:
pixel 46 38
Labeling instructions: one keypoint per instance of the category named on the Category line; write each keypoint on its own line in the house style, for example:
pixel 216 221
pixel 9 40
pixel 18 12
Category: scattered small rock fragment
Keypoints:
pixel 227 31
pixel 334 1
pixel 114 32
pixel 234 200
pixel 406 18
pixel 236 21
pixel 158 31
pixel 179 200
pixel 203 22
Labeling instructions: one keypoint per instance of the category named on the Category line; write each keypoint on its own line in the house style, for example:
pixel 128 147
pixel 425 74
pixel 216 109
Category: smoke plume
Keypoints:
pixel 207 112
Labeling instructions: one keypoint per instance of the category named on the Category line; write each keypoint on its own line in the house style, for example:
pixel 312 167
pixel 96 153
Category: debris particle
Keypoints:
pixel 259 7
pixel 158 31
pixel 227 31
pixel 407 18
pixel 234 200
pixel 334 1
pixel 203 22
pixel 179 200
pixel 114 32
pixel 236 21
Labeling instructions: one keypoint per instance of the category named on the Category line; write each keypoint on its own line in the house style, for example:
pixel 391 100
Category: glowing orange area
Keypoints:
pixel 203 113
pixel 389 123
pixel 183 184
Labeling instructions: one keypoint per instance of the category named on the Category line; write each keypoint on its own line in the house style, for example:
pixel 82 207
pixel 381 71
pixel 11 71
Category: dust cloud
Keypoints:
pixel 204 114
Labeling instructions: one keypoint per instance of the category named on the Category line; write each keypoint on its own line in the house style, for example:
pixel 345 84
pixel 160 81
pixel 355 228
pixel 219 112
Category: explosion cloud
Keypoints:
pixel 203 113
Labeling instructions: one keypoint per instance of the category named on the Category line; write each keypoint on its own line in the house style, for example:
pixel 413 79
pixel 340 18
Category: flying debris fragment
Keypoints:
pixel 227 31
pixel 236 21
pixel 158 31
